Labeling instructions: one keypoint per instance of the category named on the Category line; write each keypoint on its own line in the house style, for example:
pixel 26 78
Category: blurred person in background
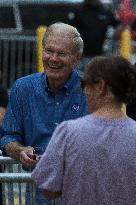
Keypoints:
pixel 3 105
pixel 131 107
pixel 92 20
pixel 91 160
pixel 41 101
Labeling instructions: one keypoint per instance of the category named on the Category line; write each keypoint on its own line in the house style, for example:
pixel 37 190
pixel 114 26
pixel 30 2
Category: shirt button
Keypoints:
pixel 57 103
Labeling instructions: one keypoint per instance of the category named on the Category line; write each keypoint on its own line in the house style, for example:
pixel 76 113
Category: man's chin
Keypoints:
pixel 53 71
pixel 53 75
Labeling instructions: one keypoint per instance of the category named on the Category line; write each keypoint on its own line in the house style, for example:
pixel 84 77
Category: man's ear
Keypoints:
pixel 77 59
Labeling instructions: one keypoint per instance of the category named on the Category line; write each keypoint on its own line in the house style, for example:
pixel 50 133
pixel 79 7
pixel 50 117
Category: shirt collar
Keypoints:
pixel 73 77
pixel 46 83
pixel 68 85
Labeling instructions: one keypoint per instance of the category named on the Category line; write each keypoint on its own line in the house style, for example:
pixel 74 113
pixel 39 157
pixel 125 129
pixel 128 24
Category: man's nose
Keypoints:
pixel 54 56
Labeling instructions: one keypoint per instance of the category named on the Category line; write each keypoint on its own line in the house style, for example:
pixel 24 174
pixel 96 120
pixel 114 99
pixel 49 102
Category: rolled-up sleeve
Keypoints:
pixel 12 128
pixel 49 171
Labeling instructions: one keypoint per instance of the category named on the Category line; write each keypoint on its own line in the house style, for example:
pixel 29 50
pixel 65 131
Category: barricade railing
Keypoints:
pixel 17 57
pixel 14 180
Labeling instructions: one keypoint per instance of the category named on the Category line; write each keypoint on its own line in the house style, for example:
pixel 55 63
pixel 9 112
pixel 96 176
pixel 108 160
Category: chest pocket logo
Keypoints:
pixel 75 107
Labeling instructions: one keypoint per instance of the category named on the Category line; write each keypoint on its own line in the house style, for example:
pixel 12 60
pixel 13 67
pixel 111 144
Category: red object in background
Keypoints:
pixel 126 15
pixel 134 34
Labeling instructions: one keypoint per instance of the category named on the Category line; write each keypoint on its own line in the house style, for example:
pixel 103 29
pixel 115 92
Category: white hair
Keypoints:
pixel 66 30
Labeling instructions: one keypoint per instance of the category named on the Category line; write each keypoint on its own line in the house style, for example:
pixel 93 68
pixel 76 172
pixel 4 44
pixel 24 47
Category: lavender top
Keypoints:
pixel 92 161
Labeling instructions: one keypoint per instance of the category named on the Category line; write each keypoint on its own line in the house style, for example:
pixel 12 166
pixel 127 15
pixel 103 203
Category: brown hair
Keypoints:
pixel 118 73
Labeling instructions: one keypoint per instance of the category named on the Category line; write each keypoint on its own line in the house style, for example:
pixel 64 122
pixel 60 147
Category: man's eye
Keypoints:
pixel 48 51
pixel 62 54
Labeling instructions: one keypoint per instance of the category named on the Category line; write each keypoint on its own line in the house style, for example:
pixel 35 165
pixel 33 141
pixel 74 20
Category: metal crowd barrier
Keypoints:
pixel 17 57
pixel 14 181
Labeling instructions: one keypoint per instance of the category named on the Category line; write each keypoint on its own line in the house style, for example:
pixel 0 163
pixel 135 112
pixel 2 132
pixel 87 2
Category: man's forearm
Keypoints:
pixel 13 150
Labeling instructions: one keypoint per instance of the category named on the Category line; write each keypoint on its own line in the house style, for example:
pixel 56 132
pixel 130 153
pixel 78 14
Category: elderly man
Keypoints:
pixel 41 101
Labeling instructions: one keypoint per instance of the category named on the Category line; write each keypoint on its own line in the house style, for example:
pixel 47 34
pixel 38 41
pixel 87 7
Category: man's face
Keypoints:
pixel 58 57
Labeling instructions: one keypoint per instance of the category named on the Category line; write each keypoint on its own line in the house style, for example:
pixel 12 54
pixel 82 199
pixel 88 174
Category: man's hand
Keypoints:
pixel 21 153
pixel 26 157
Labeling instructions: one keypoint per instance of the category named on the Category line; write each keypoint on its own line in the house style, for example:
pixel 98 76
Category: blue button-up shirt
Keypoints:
pixel 34 111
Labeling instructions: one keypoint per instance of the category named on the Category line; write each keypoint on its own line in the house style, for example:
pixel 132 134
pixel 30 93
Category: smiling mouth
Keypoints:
pixel 54 67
